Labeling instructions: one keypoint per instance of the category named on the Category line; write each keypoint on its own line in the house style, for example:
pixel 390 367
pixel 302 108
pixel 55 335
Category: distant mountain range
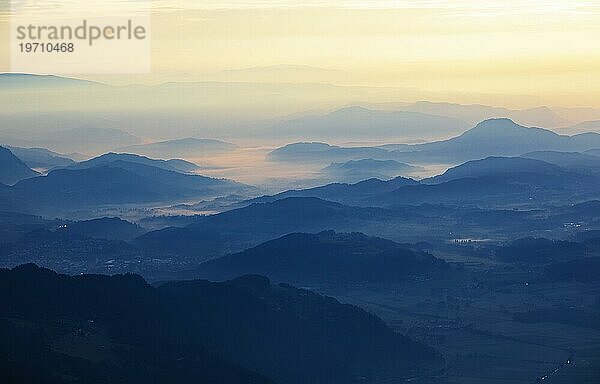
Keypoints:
pixel 241 331
pixel 323 153
pixel 358 123
pixel 12 169
pixel 238 229
pixel 493 181
pixel 41 157
pixel 580 162
pixel 281 73
pixel 342 192
pixel 189 148
pixel 21 80
pixel 498 167
pixel 354 171
pixel 583 127
pixel 545 164
pixel 472 114
pixel 86 139
pixel 174 165
pixel 593 152
pixel 494 137
pixel 325 258
pixel 114 179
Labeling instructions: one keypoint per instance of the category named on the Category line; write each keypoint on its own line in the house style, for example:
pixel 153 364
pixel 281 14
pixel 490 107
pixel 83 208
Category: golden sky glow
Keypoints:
pixel 545 49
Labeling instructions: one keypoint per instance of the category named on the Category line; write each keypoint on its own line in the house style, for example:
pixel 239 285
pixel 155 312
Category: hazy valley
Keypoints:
pixel 306 241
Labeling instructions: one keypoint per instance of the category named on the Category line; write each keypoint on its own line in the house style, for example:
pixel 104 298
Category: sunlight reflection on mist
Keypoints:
pixel 251 166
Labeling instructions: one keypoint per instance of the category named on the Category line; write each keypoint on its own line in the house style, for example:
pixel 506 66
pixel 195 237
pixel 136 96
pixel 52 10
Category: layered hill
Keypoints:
pixel 41 157
pixel 343 192
pixel 117 182
pixel 239 229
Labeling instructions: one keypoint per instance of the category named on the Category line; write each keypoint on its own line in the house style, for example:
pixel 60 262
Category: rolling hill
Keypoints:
pixel 492 182
pixel 238 229
pixel 496 166
pixel 119 182
pixel 325 258
pixel 110 228
pixel 497 182
pixel 581 162
pixel 342 192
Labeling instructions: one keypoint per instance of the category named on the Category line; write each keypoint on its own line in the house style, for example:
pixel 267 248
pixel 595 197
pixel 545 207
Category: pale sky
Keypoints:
pixel 546 49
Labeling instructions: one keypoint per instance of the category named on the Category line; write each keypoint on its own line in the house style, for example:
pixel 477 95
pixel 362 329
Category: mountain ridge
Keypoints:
pixel 12 169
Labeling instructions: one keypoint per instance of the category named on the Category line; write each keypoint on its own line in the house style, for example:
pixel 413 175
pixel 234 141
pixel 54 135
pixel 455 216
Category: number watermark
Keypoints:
pixel 80 36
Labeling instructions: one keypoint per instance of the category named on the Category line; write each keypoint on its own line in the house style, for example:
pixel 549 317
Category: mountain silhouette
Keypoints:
pixel 110 228
pixel 89 139
pixel 496 166
pixel 12 169
pixel 322 153
pixel 498 137
pixel 342 192
pixel 27 80
pixel 593 152
pixel 355 123
pixel 188 147
pixel 325 258
pixel 41 157
pixel 175 165
pixel 238 229
pixel 474 113
pixel 119 182
pixel 354 171
pixel 494 182
pixel 120 329
pixel 576 161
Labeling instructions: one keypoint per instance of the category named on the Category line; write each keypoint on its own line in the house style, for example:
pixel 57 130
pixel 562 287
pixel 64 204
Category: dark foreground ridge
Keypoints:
pixel 100 329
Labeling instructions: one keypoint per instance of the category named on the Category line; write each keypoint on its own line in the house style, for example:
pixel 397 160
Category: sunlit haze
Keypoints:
pixel 545 52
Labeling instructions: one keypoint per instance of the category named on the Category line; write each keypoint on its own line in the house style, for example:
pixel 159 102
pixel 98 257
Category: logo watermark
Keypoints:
pixel 80 36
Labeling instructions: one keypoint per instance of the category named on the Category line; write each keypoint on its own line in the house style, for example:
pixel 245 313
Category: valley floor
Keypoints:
pixel 471 322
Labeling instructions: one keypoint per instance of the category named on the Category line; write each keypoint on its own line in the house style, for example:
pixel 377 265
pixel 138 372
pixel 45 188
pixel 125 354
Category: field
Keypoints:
pixel 468 316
